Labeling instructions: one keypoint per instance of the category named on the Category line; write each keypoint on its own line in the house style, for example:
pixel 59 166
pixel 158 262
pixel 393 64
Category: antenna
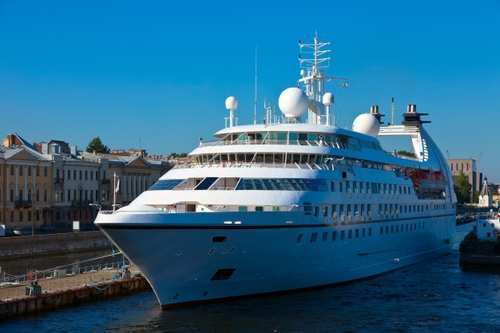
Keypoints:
pixel 392 111
pixel 314 59
pixel 255 95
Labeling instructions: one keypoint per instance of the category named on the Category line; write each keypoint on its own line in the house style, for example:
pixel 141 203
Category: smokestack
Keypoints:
pixel 411 108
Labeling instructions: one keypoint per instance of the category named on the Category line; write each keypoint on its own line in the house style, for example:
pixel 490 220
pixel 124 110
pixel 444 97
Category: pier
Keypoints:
pixel 67 286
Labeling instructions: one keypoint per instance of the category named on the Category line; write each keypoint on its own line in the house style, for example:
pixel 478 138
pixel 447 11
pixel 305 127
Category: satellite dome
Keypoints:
pixel 367 124
pixel 231 103
pixel 293 102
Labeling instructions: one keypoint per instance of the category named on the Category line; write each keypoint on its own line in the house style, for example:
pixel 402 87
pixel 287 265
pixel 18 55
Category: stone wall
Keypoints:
pixel 52 244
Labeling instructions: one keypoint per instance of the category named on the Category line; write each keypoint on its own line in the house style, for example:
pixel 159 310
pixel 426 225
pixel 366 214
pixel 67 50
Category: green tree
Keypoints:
pixel 96 146
pixel 462 188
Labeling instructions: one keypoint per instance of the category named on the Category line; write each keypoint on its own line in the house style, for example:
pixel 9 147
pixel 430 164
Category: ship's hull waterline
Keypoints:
pixel 197 264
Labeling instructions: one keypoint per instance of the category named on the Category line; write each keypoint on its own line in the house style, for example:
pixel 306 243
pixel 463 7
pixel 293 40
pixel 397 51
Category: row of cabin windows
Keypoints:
pixel 361 232
pixel 369 187
pixel 337 210
pixel 294 138
pixel 396 228
pixel 282 158
pixel 337 235
pixel 36 170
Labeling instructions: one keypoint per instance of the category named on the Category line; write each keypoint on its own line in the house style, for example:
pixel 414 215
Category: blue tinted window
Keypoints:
pixel 165 184
pixel 284 184
pixel 206 183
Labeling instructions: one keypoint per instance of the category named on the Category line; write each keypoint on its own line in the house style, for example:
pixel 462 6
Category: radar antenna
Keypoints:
pixel 314 59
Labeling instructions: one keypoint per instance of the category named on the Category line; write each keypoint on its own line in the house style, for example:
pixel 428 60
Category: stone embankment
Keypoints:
pixel 59 297
pixel 52 244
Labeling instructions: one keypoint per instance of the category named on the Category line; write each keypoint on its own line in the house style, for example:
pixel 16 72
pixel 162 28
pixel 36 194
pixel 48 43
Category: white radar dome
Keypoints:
pixel 231 103
pixel 293 102
pixel 367 124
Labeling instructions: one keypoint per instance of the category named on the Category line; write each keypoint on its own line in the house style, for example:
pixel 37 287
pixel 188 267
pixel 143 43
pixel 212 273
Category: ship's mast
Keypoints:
pixel 314 59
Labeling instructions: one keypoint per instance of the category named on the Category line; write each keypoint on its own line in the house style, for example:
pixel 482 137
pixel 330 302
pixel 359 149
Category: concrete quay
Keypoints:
pixel 68 291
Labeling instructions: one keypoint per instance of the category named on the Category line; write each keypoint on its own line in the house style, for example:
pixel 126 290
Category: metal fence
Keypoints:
pixel 82 267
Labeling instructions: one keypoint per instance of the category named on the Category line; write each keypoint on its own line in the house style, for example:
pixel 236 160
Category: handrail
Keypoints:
pixel 218 142
pixel 64 270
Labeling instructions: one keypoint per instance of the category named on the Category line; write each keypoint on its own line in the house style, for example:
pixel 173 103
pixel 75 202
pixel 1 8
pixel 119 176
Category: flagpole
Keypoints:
pixel 114 191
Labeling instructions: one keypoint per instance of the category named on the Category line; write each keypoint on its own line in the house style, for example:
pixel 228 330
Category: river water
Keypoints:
pixel 432 296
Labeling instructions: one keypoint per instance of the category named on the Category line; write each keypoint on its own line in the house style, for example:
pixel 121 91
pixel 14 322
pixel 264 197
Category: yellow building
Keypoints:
pixel 26 188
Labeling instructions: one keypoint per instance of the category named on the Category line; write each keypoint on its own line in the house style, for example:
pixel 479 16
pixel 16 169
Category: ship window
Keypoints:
pixel 363 234
pixel 219 239
pixel 316 210
pixel 334 211
pixel 259 208
pixel 165 184
pixel 307 209
pixel 334 235
pixel 314 236
pixel 381 230
pixel 349 234
pixel 332 186
pixel 206 183
pixel 356 233
pixel 223 274
pixel 299 238
pixel 325 236
pixel 342 234
pixel 325 211
pixel 283 184
pixel 369 231
pixel 340 187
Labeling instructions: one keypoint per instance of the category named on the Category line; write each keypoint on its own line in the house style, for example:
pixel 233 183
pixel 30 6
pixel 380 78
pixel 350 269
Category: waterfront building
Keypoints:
pixel 467 166
pixel 135 173
pixel 68 181
pixel 76 186
pixel 25 185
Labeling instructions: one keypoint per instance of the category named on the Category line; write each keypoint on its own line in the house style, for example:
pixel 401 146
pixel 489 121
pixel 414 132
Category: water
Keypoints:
pixel 433 296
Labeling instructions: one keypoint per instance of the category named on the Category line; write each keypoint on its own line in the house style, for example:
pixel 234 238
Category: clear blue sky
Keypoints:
pixel 155 73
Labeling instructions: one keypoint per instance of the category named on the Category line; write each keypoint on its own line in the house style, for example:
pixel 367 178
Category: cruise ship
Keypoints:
pixel 294 202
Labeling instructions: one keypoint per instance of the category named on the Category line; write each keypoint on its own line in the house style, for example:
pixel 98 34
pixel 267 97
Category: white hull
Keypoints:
pixel 180 263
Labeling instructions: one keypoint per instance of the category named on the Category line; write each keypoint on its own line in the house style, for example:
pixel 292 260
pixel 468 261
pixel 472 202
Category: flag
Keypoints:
pixel 117 188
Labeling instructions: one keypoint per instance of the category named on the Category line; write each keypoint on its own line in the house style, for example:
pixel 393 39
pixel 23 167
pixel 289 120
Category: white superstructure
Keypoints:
pixel 289 204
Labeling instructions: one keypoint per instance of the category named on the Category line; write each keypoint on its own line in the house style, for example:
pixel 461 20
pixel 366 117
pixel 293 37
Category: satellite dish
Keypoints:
pixel 293 102
pixel 367 124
